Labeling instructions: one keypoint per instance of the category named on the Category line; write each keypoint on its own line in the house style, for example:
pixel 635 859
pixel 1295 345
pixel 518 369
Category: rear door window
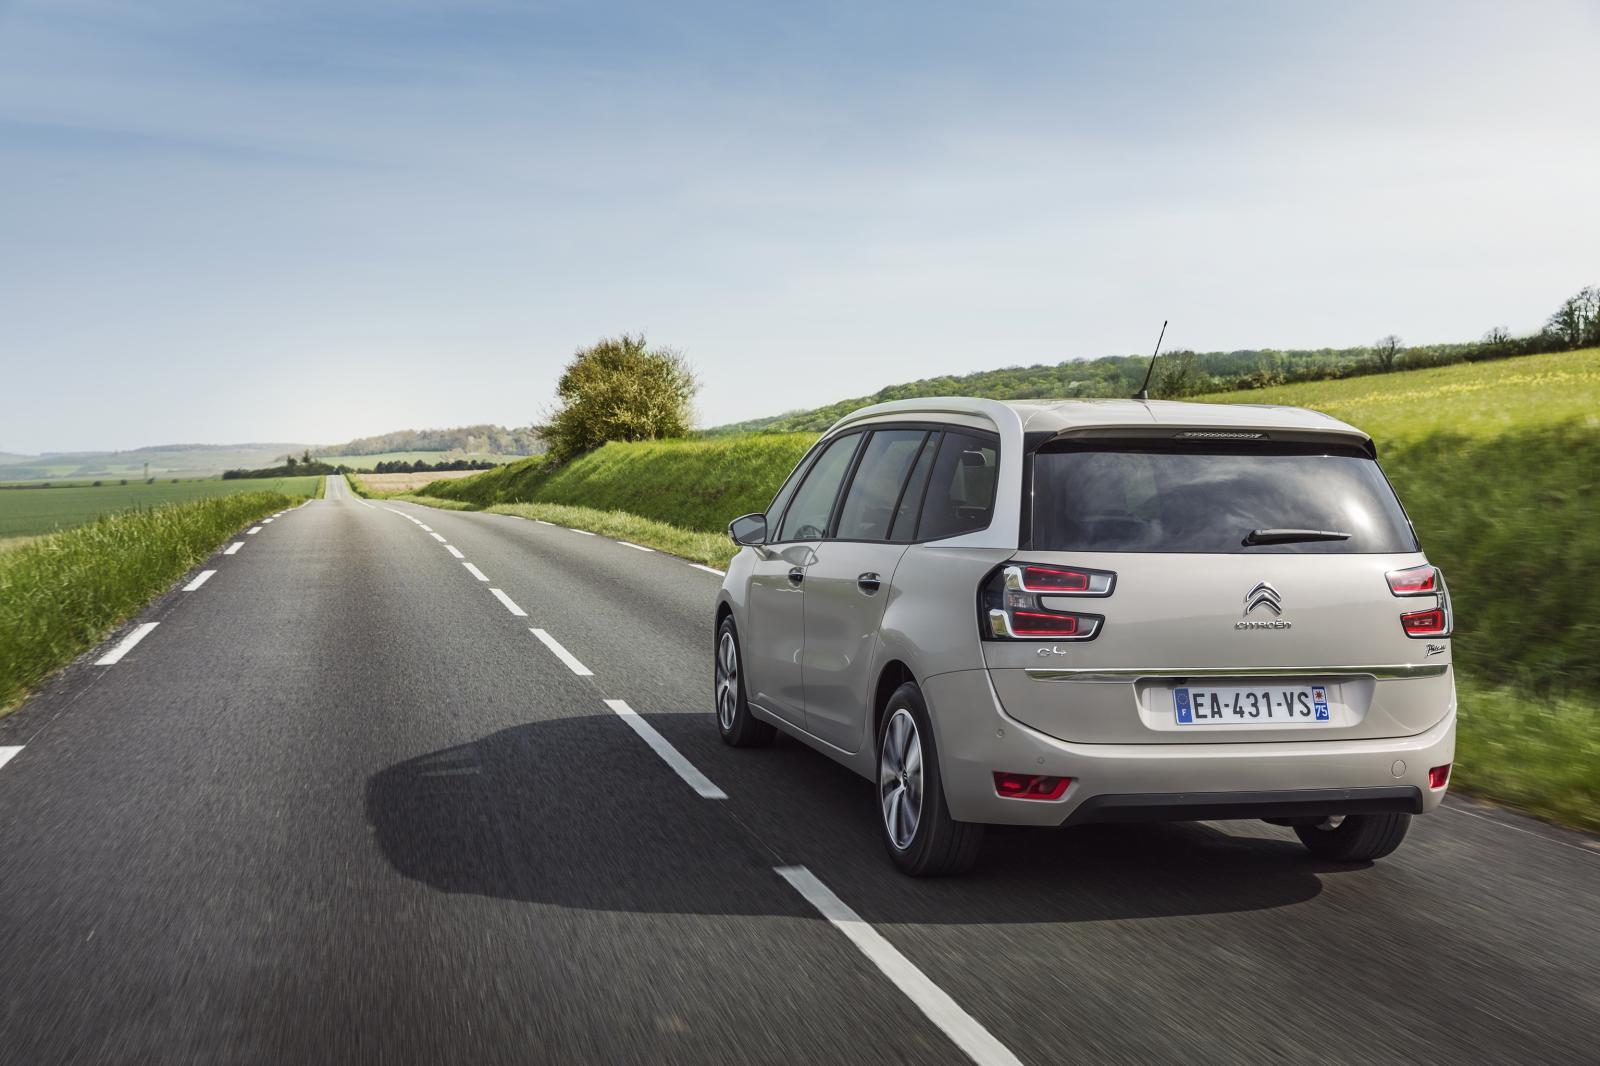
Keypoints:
pixel 869 504
pixel 1207 499
pixel 812 506
pixel 905 515
pixel 960 494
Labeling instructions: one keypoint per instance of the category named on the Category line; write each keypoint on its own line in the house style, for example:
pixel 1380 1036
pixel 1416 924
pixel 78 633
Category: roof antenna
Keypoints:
pixel 1144 390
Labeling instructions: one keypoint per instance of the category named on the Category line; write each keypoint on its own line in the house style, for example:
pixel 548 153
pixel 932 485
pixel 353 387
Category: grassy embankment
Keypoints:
pixel 30 511
pixel 62 593
pixel 1498 465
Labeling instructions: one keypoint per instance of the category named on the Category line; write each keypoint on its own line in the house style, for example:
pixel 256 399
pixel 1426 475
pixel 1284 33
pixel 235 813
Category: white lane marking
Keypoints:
pixel 453 550
pixel 636 547
pixel 1581 849
pixel 542 522
pixel 266 521
pixel 200 579
pixel 962 1028
pixel 252 531
pixel 402 514
pixel 7 754
pixel 510 603
pixel 669 754
pixel 436 536
pixel 562 653
pixel 585 532
pixel 475 572
pixel 425 529
pixel 709 569
pixel 235 546
pixel 114 656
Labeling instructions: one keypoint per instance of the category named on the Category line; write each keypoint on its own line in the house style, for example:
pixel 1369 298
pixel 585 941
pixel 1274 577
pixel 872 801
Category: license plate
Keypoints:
pixel 1252 705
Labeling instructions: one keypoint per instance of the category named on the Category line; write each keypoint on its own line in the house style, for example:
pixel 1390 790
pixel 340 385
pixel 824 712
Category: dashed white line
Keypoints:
pixel 200 579
pixel 453 550
pixel 962 1028
pixel 669 754
pixel 709 569
pixel 562 653
pixel 475 572
pixel 425 529
pixel 114 656
pixel 636 547
pixel 252 531
pixel 235 546
pixel 266 521
pixel 7 754
pixel 436 536
pixel 510 604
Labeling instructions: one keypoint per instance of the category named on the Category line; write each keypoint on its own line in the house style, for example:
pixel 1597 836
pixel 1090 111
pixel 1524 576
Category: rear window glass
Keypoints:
pixel 1180 499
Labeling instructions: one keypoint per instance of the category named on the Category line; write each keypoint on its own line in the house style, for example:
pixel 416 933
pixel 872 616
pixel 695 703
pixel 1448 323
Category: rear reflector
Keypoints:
pixel 1439 776
pixel 1030 786
pixel 1414 581
pixel 1425 623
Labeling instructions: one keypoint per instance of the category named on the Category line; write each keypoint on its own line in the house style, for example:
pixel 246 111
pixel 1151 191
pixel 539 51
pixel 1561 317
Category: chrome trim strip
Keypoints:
pixel 1382 673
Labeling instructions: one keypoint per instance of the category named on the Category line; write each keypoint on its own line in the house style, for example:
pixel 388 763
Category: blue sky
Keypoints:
pixel 311 221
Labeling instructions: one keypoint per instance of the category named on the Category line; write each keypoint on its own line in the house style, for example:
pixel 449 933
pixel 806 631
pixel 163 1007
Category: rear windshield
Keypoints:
pixel 1174 498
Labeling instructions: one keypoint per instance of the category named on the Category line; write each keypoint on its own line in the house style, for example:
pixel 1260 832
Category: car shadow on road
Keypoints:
pixel 575 812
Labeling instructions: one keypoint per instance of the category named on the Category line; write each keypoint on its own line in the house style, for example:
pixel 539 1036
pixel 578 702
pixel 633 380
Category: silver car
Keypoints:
pixel 1059 612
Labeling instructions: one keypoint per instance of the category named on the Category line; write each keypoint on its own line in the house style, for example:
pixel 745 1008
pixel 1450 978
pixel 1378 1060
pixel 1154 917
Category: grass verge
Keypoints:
pixel 61 594
pixel 1537 753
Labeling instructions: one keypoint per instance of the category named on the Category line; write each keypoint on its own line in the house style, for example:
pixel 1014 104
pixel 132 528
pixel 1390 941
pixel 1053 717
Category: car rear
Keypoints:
pixel 1201 623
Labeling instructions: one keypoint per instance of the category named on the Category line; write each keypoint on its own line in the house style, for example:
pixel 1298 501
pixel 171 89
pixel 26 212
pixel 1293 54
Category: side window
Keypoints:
pixel 781 500
pixel 869 503
pixel 905 515
pixel 812 506
pixel 960 497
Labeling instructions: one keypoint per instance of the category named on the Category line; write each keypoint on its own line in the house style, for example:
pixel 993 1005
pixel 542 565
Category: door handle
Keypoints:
pixel 869 583
pixel 797 574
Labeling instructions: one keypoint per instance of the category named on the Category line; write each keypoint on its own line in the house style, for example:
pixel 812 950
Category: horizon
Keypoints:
pixel 321 222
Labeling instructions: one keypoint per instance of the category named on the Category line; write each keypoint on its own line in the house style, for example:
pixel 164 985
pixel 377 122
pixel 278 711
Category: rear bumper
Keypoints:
pixel 1167 782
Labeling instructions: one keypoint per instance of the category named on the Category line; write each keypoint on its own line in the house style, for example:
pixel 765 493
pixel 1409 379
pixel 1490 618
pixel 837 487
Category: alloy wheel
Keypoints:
pixel 900 778
pixel 727 680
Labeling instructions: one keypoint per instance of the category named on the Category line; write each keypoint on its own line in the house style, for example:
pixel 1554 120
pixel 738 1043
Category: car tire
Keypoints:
pixel 921 837
pixel 1356 837
pixel 735 723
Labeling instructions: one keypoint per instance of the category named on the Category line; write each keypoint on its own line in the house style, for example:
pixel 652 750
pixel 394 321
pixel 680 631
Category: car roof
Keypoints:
pixel 1058 416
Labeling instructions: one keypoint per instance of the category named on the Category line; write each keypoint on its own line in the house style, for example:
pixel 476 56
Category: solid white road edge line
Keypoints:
pixel 7 754
pixel 436 536
pixel 669 754
pixel 636 547
pixel 562 653
pixel 709 569
pixel 252 531
pixel 115 655
pixel 235 546
pixel 962 1028
pixel 542 522
pixel 475 572
pixel 453 550
pixel 585 532
pixel 200 579
pixel 509 603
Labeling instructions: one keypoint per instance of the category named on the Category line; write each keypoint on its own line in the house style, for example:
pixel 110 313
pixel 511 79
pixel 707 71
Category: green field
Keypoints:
pixel 367 462
pixel 30 511
pixel 1498 464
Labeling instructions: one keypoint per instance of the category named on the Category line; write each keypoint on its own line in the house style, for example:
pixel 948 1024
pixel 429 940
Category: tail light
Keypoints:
pixel 1028 601
pixel 1030 786
pixel 1421 580
pixel 1424 580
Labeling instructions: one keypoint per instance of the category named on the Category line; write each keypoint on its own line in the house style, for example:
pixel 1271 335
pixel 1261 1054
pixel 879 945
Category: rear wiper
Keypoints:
pixel 1290 536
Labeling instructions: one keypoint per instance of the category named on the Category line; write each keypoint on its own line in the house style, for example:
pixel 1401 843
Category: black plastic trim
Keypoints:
pixel 1281 803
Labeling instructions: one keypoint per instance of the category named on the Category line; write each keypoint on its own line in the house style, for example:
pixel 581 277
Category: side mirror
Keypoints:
pixel 748 530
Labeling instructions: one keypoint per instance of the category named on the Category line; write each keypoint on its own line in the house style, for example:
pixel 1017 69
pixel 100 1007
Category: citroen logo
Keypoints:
pixel 1263 595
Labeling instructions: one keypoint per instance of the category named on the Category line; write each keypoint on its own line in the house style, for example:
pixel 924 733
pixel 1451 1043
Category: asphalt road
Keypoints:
pixel 341 805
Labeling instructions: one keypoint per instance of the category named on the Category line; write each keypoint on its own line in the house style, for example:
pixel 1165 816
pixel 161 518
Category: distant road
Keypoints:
pixel 341 804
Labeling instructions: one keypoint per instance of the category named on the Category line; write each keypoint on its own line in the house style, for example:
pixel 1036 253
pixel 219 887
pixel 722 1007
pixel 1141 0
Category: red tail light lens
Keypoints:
pixel 1028 601
pixel 1425 623
pixel 1030 786
pixel 1416 581
pixel 1439 776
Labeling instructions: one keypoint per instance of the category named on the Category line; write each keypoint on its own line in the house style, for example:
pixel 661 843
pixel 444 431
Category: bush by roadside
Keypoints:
pixel 61 594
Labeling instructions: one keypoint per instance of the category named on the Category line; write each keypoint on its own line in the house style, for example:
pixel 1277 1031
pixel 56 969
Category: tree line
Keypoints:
pixel 490 439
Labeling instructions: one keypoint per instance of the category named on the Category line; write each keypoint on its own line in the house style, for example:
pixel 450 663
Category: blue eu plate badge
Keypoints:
pixel 1184 707
pixel 1319 701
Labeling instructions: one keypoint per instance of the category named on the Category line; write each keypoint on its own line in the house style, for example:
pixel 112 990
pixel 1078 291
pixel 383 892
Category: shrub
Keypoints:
pixel 620 390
